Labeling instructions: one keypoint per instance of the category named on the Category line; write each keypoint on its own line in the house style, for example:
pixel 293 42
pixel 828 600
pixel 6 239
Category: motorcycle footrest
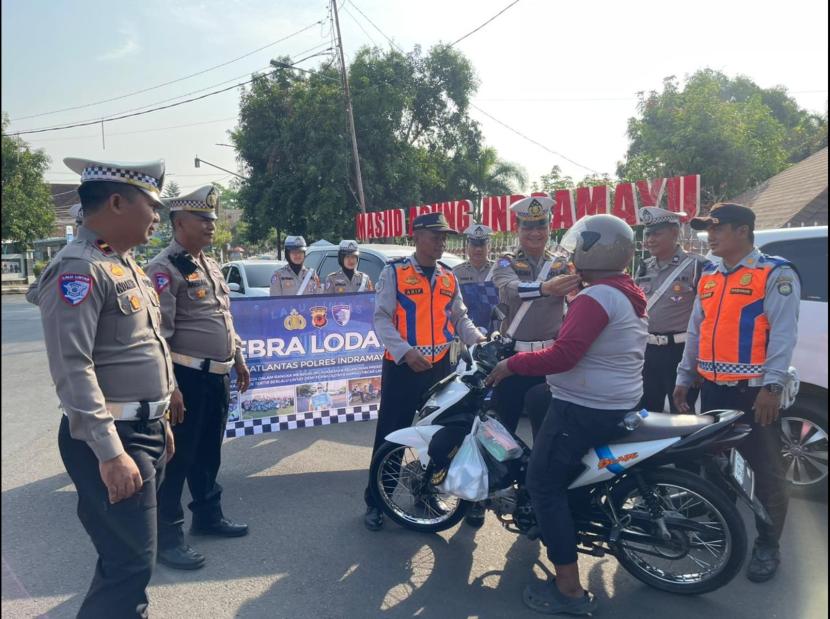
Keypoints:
pixel 615 534
pixel 594 551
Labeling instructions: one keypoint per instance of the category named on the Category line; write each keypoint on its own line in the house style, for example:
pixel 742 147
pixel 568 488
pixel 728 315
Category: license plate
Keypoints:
pixel 742 473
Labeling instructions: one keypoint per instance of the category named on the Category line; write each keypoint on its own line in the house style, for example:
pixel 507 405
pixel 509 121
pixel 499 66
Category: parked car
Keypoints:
pixel 250 278
pixel 373 257
pixel 804 425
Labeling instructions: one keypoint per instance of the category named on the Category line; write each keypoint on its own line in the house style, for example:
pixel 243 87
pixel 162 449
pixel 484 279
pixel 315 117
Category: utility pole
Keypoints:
pixel 358 176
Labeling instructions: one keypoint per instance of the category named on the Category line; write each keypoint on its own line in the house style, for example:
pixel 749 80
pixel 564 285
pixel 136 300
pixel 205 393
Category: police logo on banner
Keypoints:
pixel 318 316
pixel 74 287
pixel 341 314
pixel 161 281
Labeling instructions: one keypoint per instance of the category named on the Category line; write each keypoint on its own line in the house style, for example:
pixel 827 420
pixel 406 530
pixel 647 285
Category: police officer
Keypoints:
pixel 744 362
pixel 197 323
pixel 348 278
pixel 668 278
pixel 112 373
pixel 477 269
pixel 532 283
pixel 418 311
pixel 294 278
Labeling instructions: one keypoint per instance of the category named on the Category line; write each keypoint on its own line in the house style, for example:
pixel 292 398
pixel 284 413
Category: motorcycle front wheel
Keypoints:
pixel 401 488
pixel 708 537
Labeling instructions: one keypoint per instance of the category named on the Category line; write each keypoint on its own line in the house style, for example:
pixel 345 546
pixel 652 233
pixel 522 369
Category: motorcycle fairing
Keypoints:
pixel 606 461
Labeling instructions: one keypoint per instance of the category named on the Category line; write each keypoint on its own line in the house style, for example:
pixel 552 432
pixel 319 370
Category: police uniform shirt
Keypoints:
pixel 339 283
pixel 284 282
pixel 670 314
pixel 515 277
pixel 781 304
pixel 195 305
pixel 102 328
pixel 386 303
pixel 466 273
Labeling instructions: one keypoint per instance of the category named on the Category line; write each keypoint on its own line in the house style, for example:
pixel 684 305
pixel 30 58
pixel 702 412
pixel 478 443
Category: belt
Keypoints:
pixel 129 411
pixel 532 346
pixel 664 340
pixel 206 365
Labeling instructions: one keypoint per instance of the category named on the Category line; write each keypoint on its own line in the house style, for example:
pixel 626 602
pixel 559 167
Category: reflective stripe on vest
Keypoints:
pixel 422 316
pixel 735 330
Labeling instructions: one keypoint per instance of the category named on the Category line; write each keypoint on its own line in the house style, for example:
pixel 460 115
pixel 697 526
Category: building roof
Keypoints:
pixel 64 195
pixel 795 197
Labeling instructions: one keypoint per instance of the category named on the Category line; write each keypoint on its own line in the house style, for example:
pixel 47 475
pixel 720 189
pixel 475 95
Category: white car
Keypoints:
pixel 804 425
pixel 250 278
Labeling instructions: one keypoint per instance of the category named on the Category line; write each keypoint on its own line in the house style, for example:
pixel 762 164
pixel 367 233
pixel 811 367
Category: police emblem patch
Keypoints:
pixel 294 321
pixel 785 288
pixel 74 287
pixel 446 281
pixel 135 302
pixel 161 281
pixel 116 270
pixel 504 262
pixel 746 279
pixel 200 293
pixel 535 208
pixel 341 314
pixel 318 316
pixel 710 284
pixel 412 280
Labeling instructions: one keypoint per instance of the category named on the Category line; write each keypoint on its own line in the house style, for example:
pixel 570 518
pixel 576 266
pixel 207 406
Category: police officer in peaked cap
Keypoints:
pixel 669 279
pixel 348 278
pixel 295 278
pixel 197 322
pixel 112 372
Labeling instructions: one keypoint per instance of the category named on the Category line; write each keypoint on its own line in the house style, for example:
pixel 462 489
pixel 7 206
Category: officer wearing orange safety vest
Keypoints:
pixel 418 312
pixel 741 336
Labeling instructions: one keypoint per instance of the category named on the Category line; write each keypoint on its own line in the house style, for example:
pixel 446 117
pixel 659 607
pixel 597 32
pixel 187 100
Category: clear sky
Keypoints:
pixel 564 74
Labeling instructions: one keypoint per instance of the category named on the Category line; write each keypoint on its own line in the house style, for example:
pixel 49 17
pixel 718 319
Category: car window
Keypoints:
pixel 329 266
pixel 225 270
pixel 371 265
pixel 810 259
pixel 313 258
pixel 234 276
pixel 259 275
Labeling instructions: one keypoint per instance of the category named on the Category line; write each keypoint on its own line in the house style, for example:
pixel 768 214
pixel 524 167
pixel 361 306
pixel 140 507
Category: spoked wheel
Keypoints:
pixel 401 488
pixel 707 543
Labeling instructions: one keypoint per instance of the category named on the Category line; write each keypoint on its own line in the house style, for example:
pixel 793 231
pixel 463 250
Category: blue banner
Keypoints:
pixel 314 360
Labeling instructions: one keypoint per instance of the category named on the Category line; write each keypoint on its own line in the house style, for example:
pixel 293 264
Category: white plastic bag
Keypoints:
pixel 467 475
pixel 495 438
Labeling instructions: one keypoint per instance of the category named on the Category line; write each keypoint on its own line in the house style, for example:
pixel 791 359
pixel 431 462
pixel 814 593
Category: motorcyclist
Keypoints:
pixel 594 370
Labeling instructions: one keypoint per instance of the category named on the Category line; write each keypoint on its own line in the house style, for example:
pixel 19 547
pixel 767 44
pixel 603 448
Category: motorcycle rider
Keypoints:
pixel 594 370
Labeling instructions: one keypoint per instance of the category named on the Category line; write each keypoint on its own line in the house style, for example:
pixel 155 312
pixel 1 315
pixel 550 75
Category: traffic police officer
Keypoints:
pixel 294 278
pixel 475 277
pixel 668 278
pixel 418 311
pixel 348 278
pixel 745 362
pixel 112 373
pixel 197 323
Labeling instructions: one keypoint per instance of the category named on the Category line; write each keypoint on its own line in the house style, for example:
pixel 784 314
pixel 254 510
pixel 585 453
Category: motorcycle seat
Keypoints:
pixel 658 426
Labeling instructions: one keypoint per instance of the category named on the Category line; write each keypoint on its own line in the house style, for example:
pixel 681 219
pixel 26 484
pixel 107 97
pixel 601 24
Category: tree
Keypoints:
pixel 555 180
pixel 171 190
pixel 416 140
pixel 730 131
pixel 28 209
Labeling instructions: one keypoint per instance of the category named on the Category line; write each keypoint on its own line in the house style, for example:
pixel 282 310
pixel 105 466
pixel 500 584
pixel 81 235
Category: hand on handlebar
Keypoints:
pixel 499 373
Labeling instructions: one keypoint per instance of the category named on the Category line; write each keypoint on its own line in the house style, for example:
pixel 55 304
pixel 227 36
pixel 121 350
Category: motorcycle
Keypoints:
pixel 674 530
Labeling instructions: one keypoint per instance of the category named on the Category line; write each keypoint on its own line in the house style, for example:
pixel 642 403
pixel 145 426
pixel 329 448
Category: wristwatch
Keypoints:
pixel 774 388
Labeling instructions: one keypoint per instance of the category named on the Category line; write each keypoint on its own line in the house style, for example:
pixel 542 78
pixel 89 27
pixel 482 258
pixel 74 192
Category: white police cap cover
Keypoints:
pixel 148 176
pixel 654 216
pixel 476 232
pixel 295 242
pixel 202 202
pixel 348 246
pixel 532 208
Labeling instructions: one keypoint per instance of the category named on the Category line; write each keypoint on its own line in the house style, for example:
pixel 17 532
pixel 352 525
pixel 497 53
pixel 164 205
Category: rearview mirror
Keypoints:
pixel 234 287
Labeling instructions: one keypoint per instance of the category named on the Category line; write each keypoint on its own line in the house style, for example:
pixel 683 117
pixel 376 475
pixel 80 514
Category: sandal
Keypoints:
pixel 545 597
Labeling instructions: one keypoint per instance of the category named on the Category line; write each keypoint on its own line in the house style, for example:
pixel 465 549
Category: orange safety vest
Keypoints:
pixel 735 330
pixel 422 315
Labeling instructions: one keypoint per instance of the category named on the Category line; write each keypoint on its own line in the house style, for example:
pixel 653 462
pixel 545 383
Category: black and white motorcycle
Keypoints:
pixel 672 529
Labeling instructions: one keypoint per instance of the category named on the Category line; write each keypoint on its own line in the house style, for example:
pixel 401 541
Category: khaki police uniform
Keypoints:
pixel 285 282
pixel 112 373
pixel 198 325
pixel 340 283
pixel 466 273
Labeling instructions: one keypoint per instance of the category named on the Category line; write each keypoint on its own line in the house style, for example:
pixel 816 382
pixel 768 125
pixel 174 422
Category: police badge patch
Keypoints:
pixel 74 287
pixel 161 281
pixel 318 316
pixel 341 314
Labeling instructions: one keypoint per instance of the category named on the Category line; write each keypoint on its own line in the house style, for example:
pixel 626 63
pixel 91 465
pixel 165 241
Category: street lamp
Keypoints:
pixel 197 163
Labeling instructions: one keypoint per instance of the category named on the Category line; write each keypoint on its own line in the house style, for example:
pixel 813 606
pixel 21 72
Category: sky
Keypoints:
pixel 565 75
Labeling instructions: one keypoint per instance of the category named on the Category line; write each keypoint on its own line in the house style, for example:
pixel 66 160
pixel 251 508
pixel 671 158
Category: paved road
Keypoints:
pixel 308 555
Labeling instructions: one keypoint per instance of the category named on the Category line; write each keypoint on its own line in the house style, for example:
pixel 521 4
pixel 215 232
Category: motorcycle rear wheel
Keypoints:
pixel 405 495
pixel 712 558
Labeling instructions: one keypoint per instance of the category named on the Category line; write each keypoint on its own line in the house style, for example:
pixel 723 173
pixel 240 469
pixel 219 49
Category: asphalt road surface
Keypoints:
pixel 308 555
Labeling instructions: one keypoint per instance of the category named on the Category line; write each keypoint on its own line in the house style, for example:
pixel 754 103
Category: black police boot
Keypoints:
pixel 221 528
pixel 373 520
pixel 475 516
pixel 181 557
pixel 764 562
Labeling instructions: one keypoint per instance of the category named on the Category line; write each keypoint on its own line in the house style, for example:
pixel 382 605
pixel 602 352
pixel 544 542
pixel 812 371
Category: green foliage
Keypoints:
pixel 730 131
pixel 28 212
pixel 171 190
pixel 555 180
pixel 39 266
pixel 417 143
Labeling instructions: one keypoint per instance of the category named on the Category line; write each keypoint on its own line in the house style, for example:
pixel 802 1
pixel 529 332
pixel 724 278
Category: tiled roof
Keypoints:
pixel 797 196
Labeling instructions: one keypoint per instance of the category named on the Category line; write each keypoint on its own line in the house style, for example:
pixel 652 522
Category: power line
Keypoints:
pixel 186 77
pixel 383 34
pixel 532 141
pixel 359 25
pixel 472 32
pixel 95 135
